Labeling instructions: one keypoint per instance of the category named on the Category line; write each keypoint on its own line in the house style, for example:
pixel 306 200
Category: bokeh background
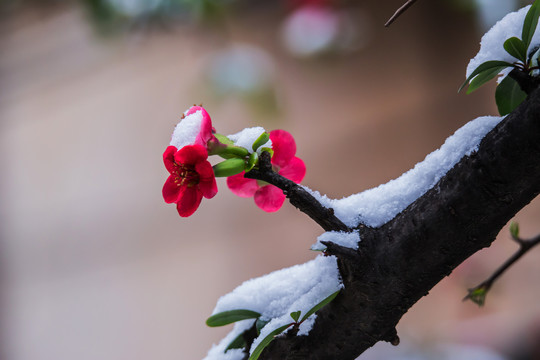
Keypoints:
pixel 94 265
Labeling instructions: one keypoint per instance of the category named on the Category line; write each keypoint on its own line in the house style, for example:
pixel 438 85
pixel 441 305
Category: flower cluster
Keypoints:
pixel 192 177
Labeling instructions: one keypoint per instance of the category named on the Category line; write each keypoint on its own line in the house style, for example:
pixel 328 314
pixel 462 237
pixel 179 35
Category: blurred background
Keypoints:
pixel 94 264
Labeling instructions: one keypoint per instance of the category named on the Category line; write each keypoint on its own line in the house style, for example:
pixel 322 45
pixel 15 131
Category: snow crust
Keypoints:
pixel 377 206
pixel 276 295
pixel 491 45
pixel 187 129
pixel 247 137
pixel 346 239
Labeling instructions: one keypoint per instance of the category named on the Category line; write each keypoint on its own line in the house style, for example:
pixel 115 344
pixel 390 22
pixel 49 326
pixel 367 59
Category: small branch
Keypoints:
pixel 297 195
pixel 478 293
pixel 399 11
pixel 526 82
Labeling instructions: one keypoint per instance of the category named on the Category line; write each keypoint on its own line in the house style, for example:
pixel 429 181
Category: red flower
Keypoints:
pixel 191 178
pixel 266 196
pixel 195 128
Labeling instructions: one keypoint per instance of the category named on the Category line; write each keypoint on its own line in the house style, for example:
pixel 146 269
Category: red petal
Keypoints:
pixel 269 198
pixel 191 154
pixel 241 186
pixel 205 132
pixel 188 201
pixel 168 158
pixel 207 180
pixel 295 170
pixel 170 190
pixel 284 147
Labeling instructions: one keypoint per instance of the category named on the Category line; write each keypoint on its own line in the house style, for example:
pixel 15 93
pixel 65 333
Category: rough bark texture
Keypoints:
pixel 401 261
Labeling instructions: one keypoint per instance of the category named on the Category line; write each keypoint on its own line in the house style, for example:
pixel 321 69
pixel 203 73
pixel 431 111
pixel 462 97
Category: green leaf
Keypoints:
pixel 488 65
pixel 514 229
pixel 238 343
pixel 261 140
pixel 482 78
pixel 296 315
pixel 508 96
pixel 320 305
pixel 478 295
pixel 516 48
pixel 229 167
pixel 267 340
pixel 252 161
pixel 530 23
pixel 223 139
pixel 259 324
pixel 229 317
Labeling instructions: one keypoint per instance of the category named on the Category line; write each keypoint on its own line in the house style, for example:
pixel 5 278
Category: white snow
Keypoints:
pixel 375 207
pixel 276 295
pixel 346 239
pixel 187 129
pixel 247 137
pixel 491 45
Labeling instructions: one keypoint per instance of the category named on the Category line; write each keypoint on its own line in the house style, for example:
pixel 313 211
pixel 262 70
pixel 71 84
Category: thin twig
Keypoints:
pixel 478 293
pixel 297 195
pixel 399 11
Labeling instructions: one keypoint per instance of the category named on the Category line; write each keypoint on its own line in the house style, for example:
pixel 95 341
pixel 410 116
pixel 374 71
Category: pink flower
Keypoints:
pixel 266 196
pixel 195 128
pixel 191 178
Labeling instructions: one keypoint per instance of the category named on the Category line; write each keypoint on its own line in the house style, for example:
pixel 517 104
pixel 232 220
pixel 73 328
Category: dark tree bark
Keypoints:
pixel 399 262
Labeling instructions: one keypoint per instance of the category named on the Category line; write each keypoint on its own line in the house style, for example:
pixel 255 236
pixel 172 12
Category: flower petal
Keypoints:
pixel 295 170
pixel 171 190
pixel 205 132
pixel 168 158
pixel 188 200
pixel 207 180
pixel 191 154
pixel 241 186
pixel 284 147
pixel 269 198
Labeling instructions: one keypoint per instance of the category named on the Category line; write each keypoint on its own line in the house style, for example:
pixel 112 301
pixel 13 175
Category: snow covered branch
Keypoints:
pixel 400 261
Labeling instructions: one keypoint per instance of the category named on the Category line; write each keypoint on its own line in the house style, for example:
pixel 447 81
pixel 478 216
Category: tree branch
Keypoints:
pixel 399 262
pixel 478 293
pixel 399 11
pixel 297 195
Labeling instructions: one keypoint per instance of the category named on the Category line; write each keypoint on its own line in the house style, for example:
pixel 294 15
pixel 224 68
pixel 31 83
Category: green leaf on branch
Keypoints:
pixel 267 340
pixel 477 295
pixel 259 324
pixel 514 230
pixel 492 67
pixel 238 343
pixel 229 167
pixel 508 96
pixel 296 315
pixel 516 48
pixel 229 317
pixel 320 305
pixel 252 161
pixel 223 139
pixel 482 78
pixel 261 140
pixel 530 23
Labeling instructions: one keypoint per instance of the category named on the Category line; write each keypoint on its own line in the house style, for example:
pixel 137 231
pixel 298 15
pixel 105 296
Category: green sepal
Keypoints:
pixel 296 315
pixel 487 66
pixel 267 340
pixel 252 161
pixel 223 139
pixel 514 230
pixel 320 305
pixel 238 343
pixel 261 140
pixel 516 48
pixel 530 23
pixel 229 167
pixel 229 317
pixel 508 96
